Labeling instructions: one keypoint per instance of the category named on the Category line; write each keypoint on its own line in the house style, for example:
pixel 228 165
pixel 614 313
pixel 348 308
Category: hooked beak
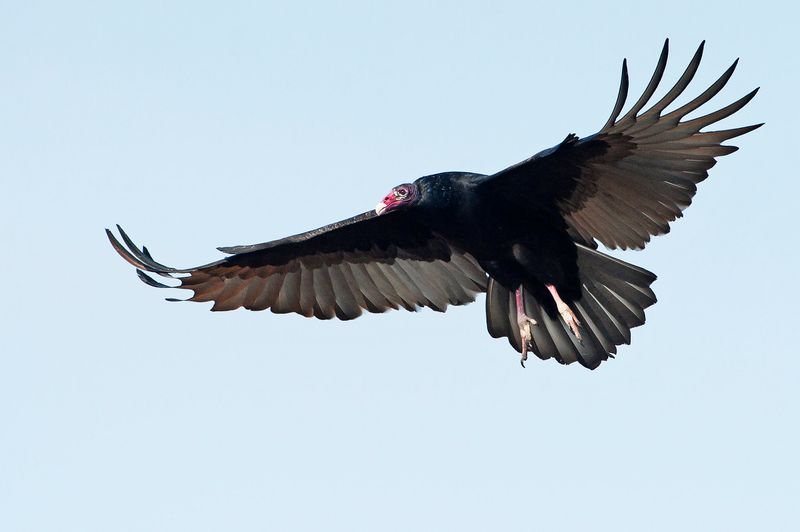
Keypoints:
pixel 380 208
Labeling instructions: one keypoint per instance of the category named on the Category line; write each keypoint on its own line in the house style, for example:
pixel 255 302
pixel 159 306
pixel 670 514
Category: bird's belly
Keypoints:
pixel 514 254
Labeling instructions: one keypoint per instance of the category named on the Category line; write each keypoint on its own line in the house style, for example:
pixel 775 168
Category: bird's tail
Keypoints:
pixel 614 295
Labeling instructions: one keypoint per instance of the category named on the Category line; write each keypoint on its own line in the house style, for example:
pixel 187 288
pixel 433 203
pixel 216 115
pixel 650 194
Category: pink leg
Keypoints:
pixel 566 313
pixel 524 323
pixel 520 302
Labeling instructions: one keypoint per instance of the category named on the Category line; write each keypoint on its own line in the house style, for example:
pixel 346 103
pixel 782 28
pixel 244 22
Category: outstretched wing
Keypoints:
pixel 367 262
pixel 627 182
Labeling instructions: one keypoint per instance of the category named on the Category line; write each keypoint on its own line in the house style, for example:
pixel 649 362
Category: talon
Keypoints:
pixel 526 333
pixel 566 313
pixel 570 319
pixel 524 323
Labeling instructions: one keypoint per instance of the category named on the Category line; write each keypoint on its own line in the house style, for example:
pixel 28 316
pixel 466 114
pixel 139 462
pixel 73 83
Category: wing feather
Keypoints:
pixel 288 298
pixel 325 307
pixel 626 183
pixel 363 263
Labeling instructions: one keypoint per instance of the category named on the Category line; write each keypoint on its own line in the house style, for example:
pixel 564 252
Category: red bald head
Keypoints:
pixel 400 196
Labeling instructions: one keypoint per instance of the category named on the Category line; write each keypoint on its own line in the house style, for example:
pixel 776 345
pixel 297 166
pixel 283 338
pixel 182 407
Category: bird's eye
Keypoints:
pixel 401 192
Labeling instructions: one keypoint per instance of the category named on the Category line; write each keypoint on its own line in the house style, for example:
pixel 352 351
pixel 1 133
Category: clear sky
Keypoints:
pixel 197 125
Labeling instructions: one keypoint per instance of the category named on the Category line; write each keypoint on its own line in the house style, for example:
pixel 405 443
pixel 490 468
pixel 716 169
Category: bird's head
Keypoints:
pixel 399 197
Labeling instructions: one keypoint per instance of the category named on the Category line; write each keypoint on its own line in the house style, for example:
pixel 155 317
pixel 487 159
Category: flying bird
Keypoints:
pixel 527 236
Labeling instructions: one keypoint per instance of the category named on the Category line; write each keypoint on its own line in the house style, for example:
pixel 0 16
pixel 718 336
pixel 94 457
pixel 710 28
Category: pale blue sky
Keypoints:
pixel 197 125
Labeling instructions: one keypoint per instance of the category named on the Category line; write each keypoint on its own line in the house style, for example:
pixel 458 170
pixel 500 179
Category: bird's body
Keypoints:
pixel 487 228
pixel 526 235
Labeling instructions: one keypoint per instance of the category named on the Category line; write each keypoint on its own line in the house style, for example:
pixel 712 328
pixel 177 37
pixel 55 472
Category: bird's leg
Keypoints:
pixel 566 313
pixel 524 323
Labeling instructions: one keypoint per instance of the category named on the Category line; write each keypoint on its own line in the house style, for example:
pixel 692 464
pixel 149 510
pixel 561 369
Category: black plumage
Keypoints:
pixel 526 235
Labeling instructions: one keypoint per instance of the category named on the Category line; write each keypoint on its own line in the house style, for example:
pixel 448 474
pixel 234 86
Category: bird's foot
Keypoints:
pixel 526 335
pixel 570 319
pixel 566 313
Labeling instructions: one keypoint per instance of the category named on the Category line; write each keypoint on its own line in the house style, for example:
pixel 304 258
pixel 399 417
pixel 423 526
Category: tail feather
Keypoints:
pixel 613 329
pixel 614 295
pixel 567 349
pixel 596 331
pixel 501 315
pixel 546 345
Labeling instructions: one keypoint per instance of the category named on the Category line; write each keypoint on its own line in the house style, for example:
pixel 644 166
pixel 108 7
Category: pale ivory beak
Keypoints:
pixel 380 207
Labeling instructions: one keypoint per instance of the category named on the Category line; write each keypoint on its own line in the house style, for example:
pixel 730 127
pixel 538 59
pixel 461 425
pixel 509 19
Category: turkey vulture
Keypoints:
pixel 527 236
